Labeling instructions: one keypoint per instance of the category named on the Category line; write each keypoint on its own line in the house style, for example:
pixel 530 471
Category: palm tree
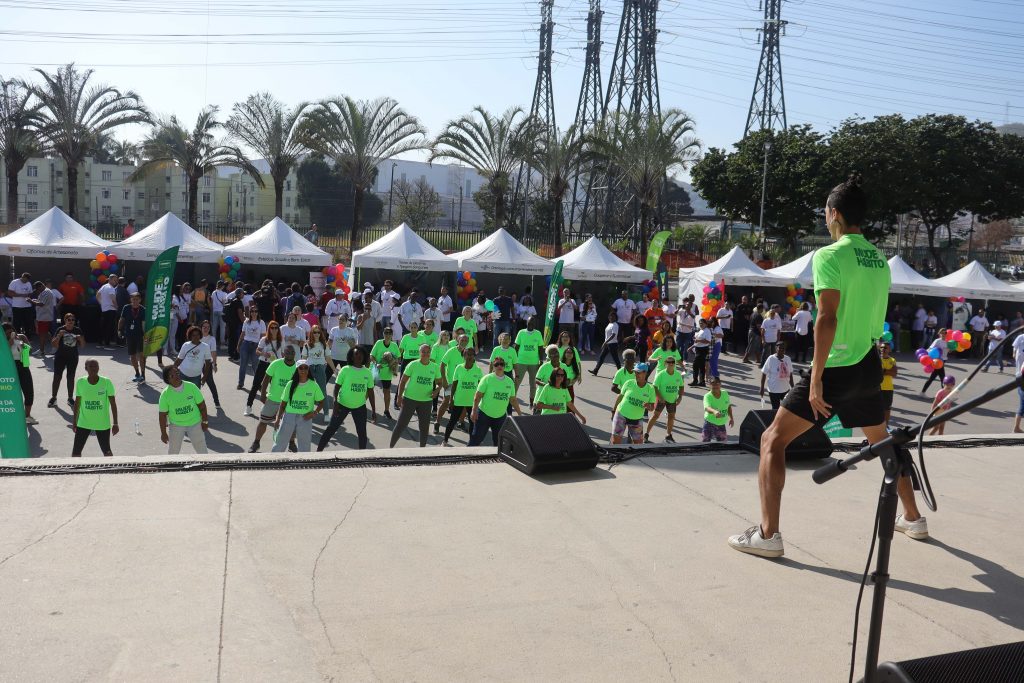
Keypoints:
pixel 125 153
pixel 556 159
pixel 493 146
pixel 19 141
pixel 75 115
pixel 641 151
pixel 359 135
pixel 195 152
pixel 262 124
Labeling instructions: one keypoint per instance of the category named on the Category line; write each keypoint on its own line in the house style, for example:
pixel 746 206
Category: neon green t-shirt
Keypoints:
pixel 721 403
pixel 377 354
pixel 570 373
pixel 182 407
pixel 668 386
pixel 280 373
pixel 437 352
pixel 353 385
pixel 860 272
pixel 94 412
pixel 305 398
pixel 544 372
pixel 660 354
pixel 465 381
pixel 634 398
pixel 421 380
pixel 529 344
pixel 622 375
pixel 496 394
pixel 452 359
pixel 410 346
pixel 468 326
pixel 551 396
pixel 430 339
pixel 508 355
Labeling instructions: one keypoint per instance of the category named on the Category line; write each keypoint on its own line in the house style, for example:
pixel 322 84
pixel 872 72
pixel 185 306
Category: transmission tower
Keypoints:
pixel 542 109
pixel 768 103
pixel 589 111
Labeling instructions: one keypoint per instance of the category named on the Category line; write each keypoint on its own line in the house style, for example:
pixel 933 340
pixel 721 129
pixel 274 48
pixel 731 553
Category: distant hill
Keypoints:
pixel 700 207
pixel 1011 129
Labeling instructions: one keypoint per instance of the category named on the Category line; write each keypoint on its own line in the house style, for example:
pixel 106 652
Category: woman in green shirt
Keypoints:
pixel 573 370
pixel 355 385
pixel 464 380
pixel 505 352
pixel 666 349
pixel 668 384
pixel 554 399
pixel 438 348
pixel 636 396
pixel 528 345
pixel 451 359
pixel 95 410
pixel 494 395
pixel 468 326
pixel 385 355
pixel 421 381
pixel 301 402
pixel 410 344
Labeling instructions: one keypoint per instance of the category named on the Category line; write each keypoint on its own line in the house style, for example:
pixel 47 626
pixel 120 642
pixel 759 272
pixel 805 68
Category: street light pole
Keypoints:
pixel 391 192
pixel 764 184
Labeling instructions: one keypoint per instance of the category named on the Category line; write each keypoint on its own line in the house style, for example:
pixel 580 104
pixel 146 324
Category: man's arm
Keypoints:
pixel 764 377
pixel 163 427
pixel 824 335
pixel 74 419
pixel 113 414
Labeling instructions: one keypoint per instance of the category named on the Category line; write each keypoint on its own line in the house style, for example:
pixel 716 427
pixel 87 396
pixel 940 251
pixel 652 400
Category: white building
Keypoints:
pixel 455 185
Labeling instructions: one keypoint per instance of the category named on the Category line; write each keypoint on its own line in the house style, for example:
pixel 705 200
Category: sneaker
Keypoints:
pixel 387 415
pixel 669 439
pixel 446 444
pixel 248 411
pixel 71 402
pixel 51 403
pixel 917 530
pixel 137 378
pixel 437 428
pixel 293 447
pixel 255 448
pixel 241 387
pixel 593 372
pixel 751 541
pixel 31 420
pixel 647 438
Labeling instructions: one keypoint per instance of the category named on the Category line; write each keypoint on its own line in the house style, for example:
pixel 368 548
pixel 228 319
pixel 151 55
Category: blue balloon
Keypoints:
pixel 106 253
pixel 934 354
pixel 885 327
pixel 330 278
pixel 112 268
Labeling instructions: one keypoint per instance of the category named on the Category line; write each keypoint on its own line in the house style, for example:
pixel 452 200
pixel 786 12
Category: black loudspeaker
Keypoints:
pixel 997 664
pixel 811 445
pixel 536 444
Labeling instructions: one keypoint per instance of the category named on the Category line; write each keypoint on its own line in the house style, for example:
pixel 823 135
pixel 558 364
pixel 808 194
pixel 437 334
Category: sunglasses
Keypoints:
pixel 499 365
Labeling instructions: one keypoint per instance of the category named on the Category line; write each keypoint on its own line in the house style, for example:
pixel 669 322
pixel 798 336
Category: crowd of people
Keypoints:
pixel 308 358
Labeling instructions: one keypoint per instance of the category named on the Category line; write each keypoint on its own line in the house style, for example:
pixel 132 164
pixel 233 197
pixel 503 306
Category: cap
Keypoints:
pixel 998 323
pixel 640 367
pixel 948 379
pixel 339 292
pixel 367 285
pixel 301 362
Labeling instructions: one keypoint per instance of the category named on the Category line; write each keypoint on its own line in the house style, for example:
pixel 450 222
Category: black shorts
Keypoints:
pixel 134 344
pixel 670 408
pixel 887 398
pixel 854 392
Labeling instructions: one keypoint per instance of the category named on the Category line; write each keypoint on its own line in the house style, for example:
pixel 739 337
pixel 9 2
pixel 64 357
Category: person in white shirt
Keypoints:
pixel 293 335
pixel 20 291
pixel 373 307
pixel 335 308
pixel 996 335
pixel 1018 363
pixel 566 312
pixel 211 343
pixel 770 329
pixel 777 373
pixel 917 326
pixel 938 344
pixel 625 310
pixel 802 322
pixel 410 311
pixel 610 346
pixel 342 339
pixel 644 305
pixel 194 358
pixel 685 323
pixel 218 298
pixel 388 299
pixel 252 331
pixel 433 312
pixel 526 309
pixel 302 322
pixel 445 305
pixel 107 298
pixel 724 316
pixel 979 325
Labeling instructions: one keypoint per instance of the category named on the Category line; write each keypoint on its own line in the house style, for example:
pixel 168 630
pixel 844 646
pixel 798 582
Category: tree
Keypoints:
pixel 993 236
pixel 484 198
pixel 329 197
pixel 74 115
pixel 263 125
pixel 358 135
pixel 642 151
pixel 676 203
pixel 194 151
pixel 556 158
pixel 417 203
pixel 19 142
pixel 126 153
pixel 796 186
pixel 493 146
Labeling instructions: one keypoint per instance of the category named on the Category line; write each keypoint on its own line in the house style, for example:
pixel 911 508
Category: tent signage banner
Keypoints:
pixel 654 251
pixel 553 289
pixel 158 301
pixel 13 432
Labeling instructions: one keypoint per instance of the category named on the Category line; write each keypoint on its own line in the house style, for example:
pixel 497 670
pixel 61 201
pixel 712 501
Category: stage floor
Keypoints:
pixel 480 573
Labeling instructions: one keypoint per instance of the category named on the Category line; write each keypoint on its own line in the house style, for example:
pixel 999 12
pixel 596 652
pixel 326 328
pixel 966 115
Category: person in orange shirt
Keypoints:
pixel 655 316
pixel 74 296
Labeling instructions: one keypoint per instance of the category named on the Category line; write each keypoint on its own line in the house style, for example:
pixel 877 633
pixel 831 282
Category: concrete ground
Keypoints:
pixel 479 573
pixel 232 432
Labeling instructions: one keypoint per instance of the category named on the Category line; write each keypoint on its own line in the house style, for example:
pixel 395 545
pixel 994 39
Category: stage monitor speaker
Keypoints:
pixel 996 664
pixel 812 444
pixel 536 444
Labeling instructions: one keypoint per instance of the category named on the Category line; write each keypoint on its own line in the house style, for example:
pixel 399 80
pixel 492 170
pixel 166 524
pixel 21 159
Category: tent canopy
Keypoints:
pixel 906 280
pixel 592 262
pixel 801 270
pixel 53 235
pixel 164 233
pixel 735 267
pixel 974 281
pixel 277 244
pixel 502 253
pixel 402 249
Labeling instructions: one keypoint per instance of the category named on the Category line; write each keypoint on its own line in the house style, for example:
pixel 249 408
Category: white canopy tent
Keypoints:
pixel 735 267
pixel 276 243
pixel 801 270
pixel 53 235
pixel 593 262
pixel 164 233
pixel 402 249
pixel 906 280
pixel 977 283
pixel 502 253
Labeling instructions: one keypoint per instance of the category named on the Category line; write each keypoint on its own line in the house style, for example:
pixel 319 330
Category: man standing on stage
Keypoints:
pixel 851 283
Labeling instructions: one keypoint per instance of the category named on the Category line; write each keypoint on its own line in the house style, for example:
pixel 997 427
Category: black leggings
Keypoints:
pixel 700 363
pixel 455 415
pixel 82 435
pixel 337 417
pixel 608 350
pixel 213 387
pixel 62 363
pixel 938 373
pixel 28 390
pixel 108 325
pixel 257 380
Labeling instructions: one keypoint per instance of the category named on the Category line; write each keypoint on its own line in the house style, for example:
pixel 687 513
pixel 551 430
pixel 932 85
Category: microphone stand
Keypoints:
pixel 896 462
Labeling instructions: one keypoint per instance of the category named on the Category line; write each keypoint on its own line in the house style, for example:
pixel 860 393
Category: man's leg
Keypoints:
pixel 175 435
pixel 905 486
pixel 771 474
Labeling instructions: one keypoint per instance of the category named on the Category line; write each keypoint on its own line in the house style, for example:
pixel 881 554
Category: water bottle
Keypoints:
pixel 138 427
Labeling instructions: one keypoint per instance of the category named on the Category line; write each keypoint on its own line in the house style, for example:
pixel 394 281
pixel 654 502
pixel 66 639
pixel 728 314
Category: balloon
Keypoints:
pixel 925 360
pixel 966 344
pixel 958 336
pixel 94 264
pixel 330 278
pixel 962 299
pixel 466 275
pixel 325 270
pixel 102 279
pixel 885 327
pixel 112 258
pixel 113 268
pixel 967 336
pixel 707 290
pixel 887 336
pixel 934 353
pixel 921 352
pixel 472 281
pixel 938 364
pixel 489 305
pixel 952 345
pixel 223 269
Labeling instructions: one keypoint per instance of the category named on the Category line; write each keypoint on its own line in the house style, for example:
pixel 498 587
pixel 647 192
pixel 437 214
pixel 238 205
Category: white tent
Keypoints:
pixel 53 235
pixel 906 280
pixel 277 244
pixel 164 233
pixel 502 253
pixel 402 249
pixel 801 270
pixel 975 282
pixel 592 261
pixel 735 267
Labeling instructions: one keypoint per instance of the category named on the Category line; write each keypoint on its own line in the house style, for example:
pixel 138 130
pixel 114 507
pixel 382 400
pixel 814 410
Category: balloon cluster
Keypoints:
pixel 957 340
pixel 466 288
pixel 103 266
pixel 649 286
pixel 795 296
pixel 958 299
pixel 336 278
pixel 712 299
pixel 930 359
pixel 229 268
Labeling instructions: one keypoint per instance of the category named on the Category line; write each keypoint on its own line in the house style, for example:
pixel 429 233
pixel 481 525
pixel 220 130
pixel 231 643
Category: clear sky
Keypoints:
pixel 439 58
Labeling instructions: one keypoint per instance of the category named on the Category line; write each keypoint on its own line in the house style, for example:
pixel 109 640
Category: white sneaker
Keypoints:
pixel 917 530
pixel 248 411
pixel 751 541
pixel 31 421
